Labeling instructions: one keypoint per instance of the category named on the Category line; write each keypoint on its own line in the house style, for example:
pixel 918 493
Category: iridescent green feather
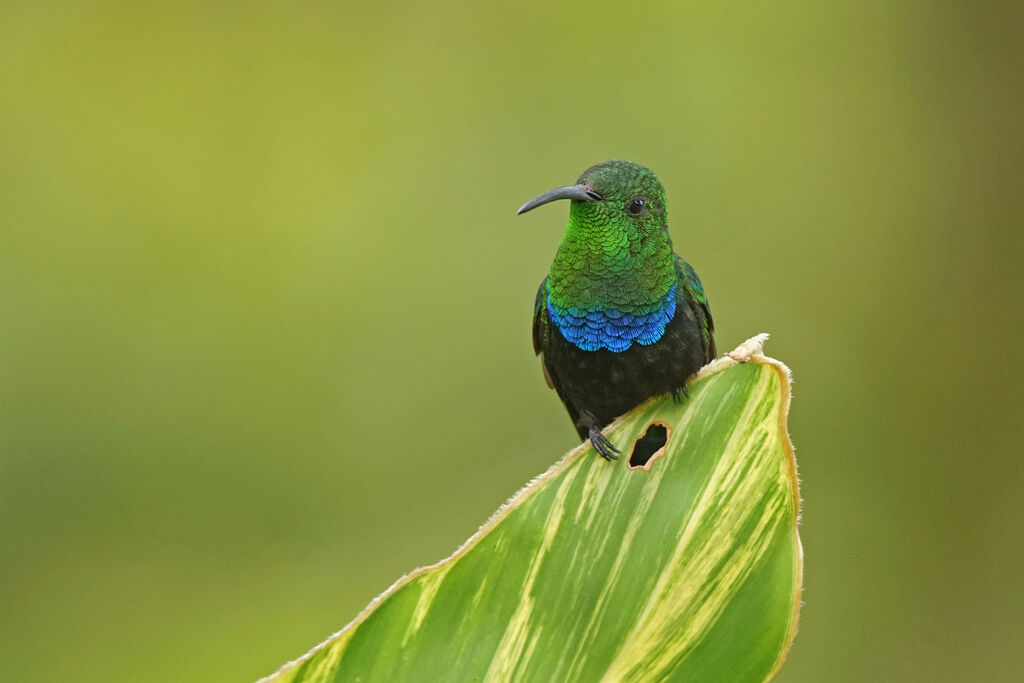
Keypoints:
pixel 687 281
pixel 609 260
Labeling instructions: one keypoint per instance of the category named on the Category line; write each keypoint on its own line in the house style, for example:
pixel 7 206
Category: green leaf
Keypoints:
pixel 688 570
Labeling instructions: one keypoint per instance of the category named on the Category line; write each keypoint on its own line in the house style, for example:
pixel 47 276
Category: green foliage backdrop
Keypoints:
pixel 250 251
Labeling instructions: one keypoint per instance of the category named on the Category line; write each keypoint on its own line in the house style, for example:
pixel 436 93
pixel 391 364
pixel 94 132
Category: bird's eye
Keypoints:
pixel 637 206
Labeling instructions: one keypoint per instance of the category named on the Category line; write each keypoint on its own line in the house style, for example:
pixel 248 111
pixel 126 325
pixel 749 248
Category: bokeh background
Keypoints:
pixel 266 305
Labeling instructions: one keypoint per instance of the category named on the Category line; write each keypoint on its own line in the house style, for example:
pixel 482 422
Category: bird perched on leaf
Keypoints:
pixel 620 317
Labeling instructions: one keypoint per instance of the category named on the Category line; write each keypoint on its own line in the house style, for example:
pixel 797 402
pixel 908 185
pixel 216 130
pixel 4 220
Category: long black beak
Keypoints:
pixel 577 193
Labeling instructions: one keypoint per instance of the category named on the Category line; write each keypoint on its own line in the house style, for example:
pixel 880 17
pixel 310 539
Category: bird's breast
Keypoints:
pixel 596 327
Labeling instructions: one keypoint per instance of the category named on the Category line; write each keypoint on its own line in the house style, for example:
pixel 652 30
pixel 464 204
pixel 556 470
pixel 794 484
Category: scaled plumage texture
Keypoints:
pixel 620 317
pixel 609 327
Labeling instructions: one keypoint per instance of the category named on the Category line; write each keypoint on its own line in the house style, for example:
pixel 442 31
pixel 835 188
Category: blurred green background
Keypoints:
pixel 266 305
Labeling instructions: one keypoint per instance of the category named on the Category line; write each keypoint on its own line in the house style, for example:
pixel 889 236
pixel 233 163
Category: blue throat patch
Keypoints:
pixel 607 328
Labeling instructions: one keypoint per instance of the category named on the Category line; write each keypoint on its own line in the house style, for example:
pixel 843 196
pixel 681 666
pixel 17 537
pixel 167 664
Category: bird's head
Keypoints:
pixel 616 194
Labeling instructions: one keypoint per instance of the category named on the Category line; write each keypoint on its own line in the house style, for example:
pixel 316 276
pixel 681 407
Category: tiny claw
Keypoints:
pixel 602 445
pixel 678 393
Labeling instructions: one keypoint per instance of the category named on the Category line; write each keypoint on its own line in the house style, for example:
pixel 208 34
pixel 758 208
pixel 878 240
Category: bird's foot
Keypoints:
pixel 602 445
pixel 679 393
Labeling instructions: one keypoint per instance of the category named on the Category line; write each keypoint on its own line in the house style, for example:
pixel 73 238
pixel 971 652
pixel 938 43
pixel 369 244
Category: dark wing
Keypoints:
pixel 540 328
pixel 540 317
pixel 687 281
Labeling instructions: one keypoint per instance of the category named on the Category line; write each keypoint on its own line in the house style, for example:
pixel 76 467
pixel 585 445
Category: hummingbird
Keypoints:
pixel 620 317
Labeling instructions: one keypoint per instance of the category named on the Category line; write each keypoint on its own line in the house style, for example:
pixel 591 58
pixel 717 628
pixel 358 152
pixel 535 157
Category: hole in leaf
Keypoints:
pixel 649 447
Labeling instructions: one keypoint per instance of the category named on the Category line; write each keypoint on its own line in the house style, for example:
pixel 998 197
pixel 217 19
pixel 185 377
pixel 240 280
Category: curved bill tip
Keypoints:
pixel 577 193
